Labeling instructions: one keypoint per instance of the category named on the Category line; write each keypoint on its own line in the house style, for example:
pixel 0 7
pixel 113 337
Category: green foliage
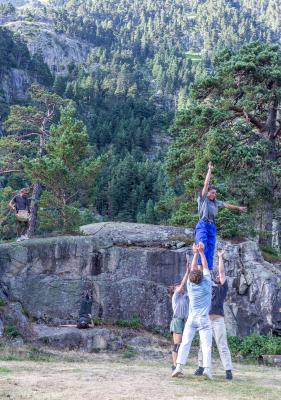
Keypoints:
pixel 134 323
pixel 254 346
pixel 67 171
pixel 15 54
pixel 4 370
pixel 7 221
pixel 228 122
pixel 144 57
pixel 11 331
pixel 270 254
pixel 98 321
pixel 2 303
pixel 13 51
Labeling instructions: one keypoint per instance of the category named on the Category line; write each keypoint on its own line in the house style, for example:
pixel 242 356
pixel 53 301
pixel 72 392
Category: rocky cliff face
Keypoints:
pixel 58 50
pixel 14 84
pixel 128 267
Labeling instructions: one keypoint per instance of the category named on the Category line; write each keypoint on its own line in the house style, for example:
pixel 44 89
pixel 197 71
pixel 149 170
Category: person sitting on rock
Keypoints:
pixel 85 313
pixel 20 204
pixel 180 304
pixel 199 289
pixel 208 205
pixel 216 314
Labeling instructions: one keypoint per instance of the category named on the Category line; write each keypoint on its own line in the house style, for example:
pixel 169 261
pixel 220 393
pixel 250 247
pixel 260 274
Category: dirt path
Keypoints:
pixel 118 379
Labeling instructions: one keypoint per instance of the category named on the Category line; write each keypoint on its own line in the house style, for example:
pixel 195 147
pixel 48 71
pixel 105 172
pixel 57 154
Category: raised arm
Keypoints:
pixel 184 279
pixel 202 255
pixel 233 207
pixel 195 257
pixel 12 205
pixel 221 267
pixel 207 179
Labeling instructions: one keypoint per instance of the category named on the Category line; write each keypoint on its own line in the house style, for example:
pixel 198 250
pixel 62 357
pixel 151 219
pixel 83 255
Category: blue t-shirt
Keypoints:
pixel 200 296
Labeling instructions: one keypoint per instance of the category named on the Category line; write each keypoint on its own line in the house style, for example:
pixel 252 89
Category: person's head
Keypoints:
pixel 212 192
pixel 216 278
pixel 172 289
pixel 24 192
pixel 196 276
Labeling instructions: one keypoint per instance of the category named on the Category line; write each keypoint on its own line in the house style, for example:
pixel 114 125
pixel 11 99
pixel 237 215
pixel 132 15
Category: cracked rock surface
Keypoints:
pixel 128 267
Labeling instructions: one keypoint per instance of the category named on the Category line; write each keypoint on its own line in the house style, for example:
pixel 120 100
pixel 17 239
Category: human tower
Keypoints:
pixel 198 300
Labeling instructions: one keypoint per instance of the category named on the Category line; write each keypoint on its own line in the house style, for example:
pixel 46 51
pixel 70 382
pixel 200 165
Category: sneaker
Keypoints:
pixel 177 371
pixel 208 374
pixel 19 239
pixel 228 375
pixel 199 371
pixel 24 237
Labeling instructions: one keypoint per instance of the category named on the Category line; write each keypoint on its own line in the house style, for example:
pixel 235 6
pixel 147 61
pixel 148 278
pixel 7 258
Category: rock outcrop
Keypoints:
pixel 14 84
pixel 128 267
pixel 58 50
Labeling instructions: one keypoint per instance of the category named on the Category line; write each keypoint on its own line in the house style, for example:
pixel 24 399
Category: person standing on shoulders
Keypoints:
pixel 208 207
pixel 216 314
pixel 20 204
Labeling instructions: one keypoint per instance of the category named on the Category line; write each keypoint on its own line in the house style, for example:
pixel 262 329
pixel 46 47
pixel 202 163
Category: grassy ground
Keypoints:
pixel 32 374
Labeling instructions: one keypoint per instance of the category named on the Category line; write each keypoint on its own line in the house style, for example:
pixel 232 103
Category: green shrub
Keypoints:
pixel 254 346
pixel 97 321
pixel 11 331
pixel 270 254
pixel 2 303
pixel 134 323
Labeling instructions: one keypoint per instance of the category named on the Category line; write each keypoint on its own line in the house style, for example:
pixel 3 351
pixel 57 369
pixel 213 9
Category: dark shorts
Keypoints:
pixel 177 325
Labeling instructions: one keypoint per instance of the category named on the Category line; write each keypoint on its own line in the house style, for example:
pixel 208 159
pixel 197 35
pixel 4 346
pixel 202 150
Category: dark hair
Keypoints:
pixel 171 289
pixel 196 276
pixel 211 187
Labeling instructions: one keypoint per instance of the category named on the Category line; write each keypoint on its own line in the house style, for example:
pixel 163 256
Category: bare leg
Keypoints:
pixel 177 337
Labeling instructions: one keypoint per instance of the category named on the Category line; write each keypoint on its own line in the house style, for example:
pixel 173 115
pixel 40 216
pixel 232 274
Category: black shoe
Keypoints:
pixel 228 375
pixel 173 367
pixel 199 371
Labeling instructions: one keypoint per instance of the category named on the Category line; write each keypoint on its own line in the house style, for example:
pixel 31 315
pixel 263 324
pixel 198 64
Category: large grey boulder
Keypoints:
pixel 128 267
pixel 98 339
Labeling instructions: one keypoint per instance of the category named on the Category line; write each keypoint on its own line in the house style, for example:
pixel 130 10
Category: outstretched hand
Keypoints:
pixel 201 247
pixel 195 248
pixel 210 165
pixel 220 253
pixel 243 209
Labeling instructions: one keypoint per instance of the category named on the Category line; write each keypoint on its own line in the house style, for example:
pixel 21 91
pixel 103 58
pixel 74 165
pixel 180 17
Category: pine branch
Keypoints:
pixel 27 135
pixel 9 171
pixel 249 118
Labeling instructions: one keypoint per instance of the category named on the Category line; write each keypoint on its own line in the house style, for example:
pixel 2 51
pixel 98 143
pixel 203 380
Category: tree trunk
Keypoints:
pixel 267 210
pixel 36 193
pixel 275 235
pixel 263 224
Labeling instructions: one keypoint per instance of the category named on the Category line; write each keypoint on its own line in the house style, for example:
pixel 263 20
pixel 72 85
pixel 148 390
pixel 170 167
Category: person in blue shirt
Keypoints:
pixel 208 206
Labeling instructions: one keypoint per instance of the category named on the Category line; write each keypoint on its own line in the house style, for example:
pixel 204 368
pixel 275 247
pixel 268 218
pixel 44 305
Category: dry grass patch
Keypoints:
pixel 70 375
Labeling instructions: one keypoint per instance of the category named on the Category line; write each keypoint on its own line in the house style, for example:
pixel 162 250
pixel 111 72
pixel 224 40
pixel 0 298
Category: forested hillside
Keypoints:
pixel 125 67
